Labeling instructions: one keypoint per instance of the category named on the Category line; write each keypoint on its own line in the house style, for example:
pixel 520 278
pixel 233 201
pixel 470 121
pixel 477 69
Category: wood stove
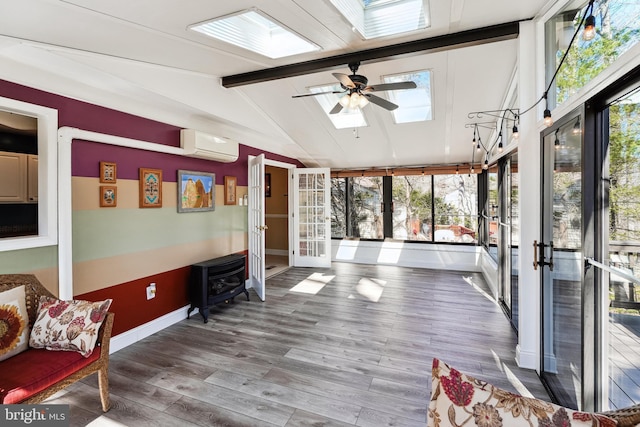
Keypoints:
pixel 216 280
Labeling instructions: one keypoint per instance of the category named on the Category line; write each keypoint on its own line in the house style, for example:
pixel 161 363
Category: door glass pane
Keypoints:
pixel 311 214
pixel 515 233
pixel 561 287
pixel 492 211
pixel 624 251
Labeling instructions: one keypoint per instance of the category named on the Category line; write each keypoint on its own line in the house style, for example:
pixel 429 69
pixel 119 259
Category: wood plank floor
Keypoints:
pixel 350 345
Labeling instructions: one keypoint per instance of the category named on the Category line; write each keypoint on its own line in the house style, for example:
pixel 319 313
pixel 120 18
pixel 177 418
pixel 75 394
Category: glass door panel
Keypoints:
pixel 312 218
pixel 560 257
pixel 623 250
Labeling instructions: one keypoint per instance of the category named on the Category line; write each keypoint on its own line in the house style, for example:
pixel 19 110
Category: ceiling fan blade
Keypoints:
pixel 345 80
pixel 317 93
pixel 381 102
pixel 392 86
pixel 336 109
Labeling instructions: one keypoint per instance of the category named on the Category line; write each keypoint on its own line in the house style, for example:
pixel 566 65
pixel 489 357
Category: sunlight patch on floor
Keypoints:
pixel 469 280
pixel 371 289
pixel 521 389
pixel 105 422
pixel 312 284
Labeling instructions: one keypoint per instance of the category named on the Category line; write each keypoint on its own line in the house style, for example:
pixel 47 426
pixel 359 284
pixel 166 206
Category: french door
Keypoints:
pixel 256 224
pixel 559 258
pixel 312 217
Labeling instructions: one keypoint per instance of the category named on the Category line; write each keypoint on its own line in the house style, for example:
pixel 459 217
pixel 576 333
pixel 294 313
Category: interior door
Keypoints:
pixel 256 225
pixel 559 257
pixel 312 217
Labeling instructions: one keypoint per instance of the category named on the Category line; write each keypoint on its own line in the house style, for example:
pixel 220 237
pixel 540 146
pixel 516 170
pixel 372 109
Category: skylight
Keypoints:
pixel 414 104
pixel 347 118
pixel 253 30
pixel 379 18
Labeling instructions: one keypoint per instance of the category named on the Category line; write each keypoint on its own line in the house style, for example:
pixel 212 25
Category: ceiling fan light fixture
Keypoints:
pixel 363 102
pixel 344 101
pixel 354 100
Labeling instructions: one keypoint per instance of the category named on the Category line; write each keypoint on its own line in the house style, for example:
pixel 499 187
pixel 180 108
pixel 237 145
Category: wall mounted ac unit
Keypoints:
pixel 204 146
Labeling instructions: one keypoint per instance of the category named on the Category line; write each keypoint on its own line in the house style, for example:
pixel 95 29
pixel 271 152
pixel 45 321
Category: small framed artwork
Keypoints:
pixel 150 188
pixel 196 191
pixel 108 196
pixel 108 173
pixel 230 190
pixel 267 185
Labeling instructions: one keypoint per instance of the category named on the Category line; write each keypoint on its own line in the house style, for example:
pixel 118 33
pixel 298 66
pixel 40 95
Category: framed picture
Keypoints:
pixel 150 188
pixel 267 185
pixel 108 196
pixel 230 190
pixel 196 191
pixel 108 173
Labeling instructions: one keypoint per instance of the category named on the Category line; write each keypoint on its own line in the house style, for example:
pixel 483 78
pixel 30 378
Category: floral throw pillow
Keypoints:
pixel 68 325
pixel 14 322
pixel 461 400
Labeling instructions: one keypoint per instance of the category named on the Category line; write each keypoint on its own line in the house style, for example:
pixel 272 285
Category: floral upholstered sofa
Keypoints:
pixel 47 344
pixel 461 400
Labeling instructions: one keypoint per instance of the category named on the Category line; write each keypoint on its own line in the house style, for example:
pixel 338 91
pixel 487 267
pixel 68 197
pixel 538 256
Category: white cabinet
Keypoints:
pixel 18 178
pixel 32 178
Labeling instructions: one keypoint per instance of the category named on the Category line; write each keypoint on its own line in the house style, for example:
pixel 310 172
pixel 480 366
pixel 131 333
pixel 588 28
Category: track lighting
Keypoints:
pixel 589 31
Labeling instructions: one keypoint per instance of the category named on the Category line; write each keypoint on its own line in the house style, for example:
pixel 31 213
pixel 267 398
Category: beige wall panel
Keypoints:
pixel 102 273
pixel 86 194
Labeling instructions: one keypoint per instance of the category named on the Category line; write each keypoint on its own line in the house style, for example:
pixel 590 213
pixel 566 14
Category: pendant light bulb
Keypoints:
pixel 485 166
pixel 344 101
pixel 548 121
pixel 515 132
pixel 478 147
pixel 355 100
pixel 500 147
pixel 589 31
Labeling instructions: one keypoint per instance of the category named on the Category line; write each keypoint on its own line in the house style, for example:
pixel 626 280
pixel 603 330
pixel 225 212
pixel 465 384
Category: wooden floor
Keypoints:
pixel 350 345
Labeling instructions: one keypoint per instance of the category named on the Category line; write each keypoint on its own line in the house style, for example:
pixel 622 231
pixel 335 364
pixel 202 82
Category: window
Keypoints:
pixel 255 31
pixel 415 104
pixel 456 212
pixel 412 211
pixel 379 18
pixel 44 173
pixel 438 208
pixel 616 23
pixel 365 200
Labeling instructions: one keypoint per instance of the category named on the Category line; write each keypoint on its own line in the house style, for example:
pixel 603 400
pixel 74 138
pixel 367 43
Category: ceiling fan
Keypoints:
pixel 358 94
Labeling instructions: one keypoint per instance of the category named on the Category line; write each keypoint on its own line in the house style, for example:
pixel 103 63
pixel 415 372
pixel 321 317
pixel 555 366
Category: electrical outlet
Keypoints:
pixel 151 291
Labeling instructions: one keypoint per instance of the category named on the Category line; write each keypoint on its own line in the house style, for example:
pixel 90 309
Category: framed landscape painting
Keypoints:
pixel 196 191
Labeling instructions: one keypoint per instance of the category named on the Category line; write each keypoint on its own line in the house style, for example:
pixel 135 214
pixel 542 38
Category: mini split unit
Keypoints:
pixel 204 146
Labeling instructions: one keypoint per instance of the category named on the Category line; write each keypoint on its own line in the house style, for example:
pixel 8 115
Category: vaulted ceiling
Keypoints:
pixel 140 57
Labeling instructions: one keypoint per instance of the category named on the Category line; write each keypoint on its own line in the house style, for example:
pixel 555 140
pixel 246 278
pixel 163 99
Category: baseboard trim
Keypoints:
pixel 136 334
pixel 524 359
